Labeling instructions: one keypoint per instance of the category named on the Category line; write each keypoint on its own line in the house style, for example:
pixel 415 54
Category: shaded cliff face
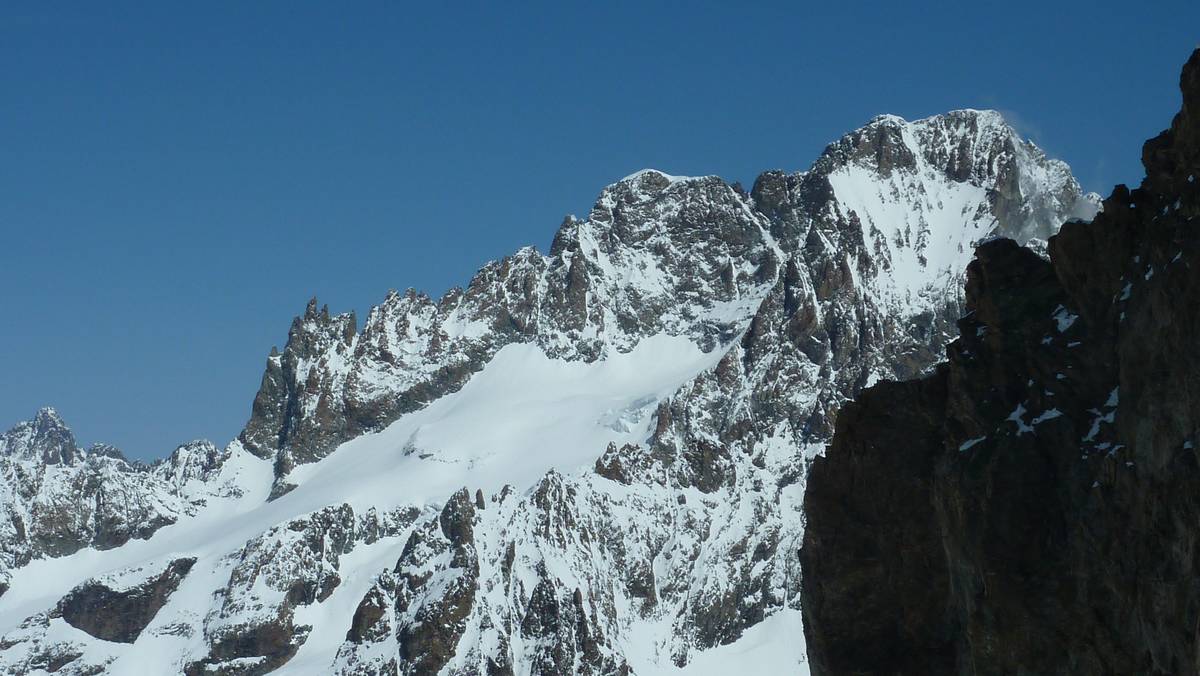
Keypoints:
pixel 1032 506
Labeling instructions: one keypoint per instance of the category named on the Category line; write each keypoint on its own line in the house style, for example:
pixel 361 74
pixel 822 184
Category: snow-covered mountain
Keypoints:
pixel 1029 507
pixel 588 461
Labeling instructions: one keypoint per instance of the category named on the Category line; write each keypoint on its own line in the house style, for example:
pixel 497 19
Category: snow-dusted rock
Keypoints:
pixel 57 498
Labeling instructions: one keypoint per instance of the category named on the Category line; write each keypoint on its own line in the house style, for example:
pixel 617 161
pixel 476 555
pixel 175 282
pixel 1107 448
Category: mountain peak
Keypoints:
pixel 47 417
pixel 890 141
pixel 886 119
pixel 655 175
pixel 649 184
pixel 920 194
pixel 980 118
pixel 45 438
pixel 1051 453
pixel 983 115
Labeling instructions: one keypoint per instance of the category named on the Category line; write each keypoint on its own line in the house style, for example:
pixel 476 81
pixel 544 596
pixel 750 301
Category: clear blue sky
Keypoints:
pixel 176 182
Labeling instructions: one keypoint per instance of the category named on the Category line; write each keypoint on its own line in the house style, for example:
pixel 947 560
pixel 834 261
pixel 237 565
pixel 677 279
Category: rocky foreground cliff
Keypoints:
pixel 1033 506
pixel 585 461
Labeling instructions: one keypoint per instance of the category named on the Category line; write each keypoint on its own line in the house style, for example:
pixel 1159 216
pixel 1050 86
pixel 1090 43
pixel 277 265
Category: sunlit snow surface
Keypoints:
pixel 773 646
pixel 922 229
pixel 927 248
pixel 523 415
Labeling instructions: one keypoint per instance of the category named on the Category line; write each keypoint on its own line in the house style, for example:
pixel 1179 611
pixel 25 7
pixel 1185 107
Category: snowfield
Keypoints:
pixel 524 414
pixel 521 416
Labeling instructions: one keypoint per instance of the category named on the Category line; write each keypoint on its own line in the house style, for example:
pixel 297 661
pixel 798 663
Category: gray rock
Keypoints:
pixel 121 614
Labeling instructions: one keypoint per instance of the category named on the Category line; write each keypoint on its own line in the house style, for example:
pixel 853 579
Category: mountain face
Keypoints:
pixel 58 498
pixel 587 461
pixel 1031 506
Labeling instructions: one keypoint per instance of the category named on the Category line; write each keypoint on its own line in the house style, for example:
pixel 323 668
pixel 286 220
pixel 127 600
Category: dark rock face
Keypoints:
pixel 565 634
pixel 368 621
pixel 276 421
pixel 121 615
pixel 1032 506
pixel 880 591
pixel 429 628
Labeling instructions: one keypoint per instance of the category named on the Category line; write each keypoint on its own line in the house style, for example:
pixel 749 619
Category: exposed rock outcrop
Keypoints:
pixel 1031 507
pixel 120 614
pixel 252 631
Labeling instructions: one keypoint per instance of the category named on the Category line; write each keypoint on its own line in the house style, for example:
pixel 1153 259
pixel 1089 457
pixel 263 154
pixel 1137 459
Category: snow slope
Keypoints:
pixel 522 415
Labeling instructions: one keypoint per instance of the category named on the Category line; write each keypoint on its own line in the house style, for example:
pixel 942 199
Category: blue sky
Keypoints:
pixel 176 182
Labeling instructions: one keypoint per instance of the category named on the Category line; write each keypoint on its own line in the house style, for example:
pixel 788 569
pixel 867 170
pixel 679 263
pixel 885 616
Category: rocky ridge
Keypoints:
pixel 58 498
pixel 673 541
pixel 1030 507
pixel 685 256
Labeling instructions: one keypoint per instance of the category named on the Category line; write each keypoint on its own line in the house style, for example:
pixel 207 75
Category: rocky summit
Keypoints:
pixel 586 461
pixel 1031 506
